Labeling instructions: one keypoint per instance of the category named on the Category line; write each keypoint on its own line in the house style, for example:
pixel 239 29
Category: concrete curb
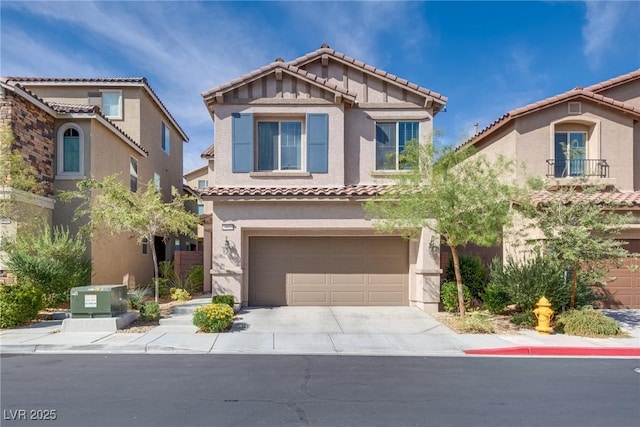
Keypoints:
pixel 558 351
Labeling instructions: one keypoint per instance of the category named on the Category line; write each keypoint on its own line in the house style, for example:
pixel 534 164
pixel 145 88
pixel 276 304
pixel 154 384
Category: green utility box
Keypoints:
pixel 98 301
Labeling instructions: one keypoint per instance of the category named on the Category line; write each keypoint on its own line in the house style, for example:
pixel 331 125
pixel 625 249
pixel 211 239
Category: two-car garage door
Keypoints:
pixel 328 271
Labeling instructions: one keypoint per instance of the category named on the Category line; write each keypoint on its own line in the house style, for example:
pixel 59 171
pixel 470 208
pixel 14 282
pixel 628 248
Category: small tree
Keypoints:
pixel 112 205
pixel 460 197
pixel 579 229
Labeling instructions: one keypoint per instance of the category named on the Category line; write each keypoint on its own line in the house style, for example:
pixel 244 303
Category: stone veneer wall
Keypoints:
pixel 33 131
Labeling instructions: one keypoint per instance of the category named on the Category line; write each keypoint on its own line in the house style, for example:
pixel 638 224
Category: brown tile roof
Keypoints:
pixel 138 81
pixel 345 191
pixel 325 49
pixel 209 153
pixel 278 64
pixel 91 109
pixel 614 81
pixel 621 199
pixel 577 93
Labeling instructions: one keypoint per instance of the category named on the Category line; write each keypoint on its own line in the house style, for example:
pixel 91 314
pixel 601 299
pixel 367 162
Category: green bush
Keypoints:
pixel 223 299
pixel 586 322
pixel 53 261
pixel 213 317
pixel 449 296
pixel 150 311
pixel 137 297
pixel 19 304
pixel 473 273
pixel 178 294
pixel 524 318
pixel 526 281
pixel 195 279
pixel 495 299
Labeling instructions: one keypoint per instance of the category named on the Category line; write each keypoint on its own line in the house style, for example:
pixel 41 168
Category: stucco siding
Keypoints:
pixel 629 92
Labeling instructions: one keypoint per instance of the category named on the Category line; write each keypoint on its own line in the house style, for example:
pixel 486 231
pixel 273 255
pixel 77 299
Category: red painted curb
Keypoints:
pixel 558 351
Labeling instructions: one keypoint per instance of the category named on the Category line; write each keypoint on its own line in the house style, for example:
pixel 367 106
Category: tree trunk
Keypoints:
pixel 456 269
pixel 155 268
pixel 574 282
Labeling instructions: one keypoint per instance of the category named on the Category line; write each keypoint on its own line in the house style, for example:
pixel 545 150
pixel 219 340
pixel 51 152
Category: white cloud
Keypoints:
pixel 610 25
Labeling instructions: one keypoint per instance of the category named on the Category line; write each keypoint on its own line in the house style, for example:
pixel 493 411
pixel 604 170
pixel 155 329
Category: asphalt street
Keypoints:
pixel 239 390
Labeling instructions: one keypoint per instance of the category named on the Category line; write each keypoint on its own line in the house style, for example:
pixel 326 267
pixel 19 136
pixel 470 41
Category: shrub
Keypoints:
pixel 178 294
pixel 19 304
pixel 495 299
pixel 223 299
pixel 53 261
pixel 137 297
pixel 476 323
pixel 213 317
pixel 195 278
pixel 586 322
pixel 524 318
pixel 473 273
pixel 525 282
pixel 449 296
pixel 150 311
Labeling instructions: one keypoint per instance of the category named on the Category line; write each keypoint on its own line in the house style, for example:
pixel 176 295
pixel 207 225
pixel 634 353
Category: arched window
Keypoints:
pixel 70 151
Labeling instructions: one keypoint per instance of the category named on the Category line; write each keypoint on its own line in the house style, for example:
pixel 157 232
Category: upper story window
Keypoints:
pixel 279 146
pixel 203 183
pixel 70 151
pixel 112 104
pixel 570 154
pixel 200 208
pixel 166 138
pixel 298 145
pixel 391 140
pixel 133 172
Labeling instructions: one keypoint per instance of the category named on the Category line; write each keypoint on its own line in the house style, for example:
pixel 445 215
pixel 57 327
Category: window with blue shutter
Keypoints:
pixel 318 143
pixel 242 142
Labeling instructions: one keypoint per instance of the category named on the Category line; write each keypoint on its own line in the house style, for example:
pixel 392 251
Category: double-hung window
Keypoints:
pixel 570 153
pixel 279 145
pixel 391 140
pixel 112 104
pixel 156 181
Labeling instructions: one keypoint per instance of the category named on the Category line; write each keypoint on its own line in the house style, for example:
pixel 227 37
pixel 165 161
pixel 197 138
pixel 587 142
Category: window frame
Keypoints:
pixel 61 173
pixel 397 152
pixel 302 144
pixel 203 183
pixel 165 138
pixel 567 172
pixel 133 173
pixel 156 181
pixel 120 114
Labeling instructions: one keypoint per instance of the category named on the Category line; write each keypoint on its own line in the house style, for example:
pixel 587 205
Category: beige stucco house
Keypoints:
pixel 299 146
pixel 69 129
pixel 590 133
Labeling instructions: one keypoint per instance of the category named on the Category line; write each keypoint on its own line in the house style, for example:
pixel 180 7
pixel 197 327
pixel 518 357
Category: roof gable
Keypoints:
pixel 277 69
pixel 616 81
pixel 325 53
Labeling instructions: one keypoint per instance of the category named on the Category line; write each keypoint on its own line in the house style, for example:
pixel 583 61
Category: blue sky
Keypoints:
pixel 486 57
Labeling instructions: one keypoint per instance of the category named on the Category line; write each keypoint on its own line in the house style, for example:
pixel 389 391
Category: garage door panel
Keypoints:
pixel 624 290
pixel 347 298
pixel 330 270
pixel 386 297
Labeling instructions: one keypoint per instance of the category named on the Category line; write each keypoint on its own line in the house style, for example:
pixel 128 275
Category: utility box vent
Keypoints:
pixel 98 301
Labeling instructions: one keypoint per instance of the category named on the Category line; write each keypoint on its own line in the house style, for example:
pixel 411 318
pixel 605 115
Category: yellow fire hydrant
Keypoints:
pixel 544 314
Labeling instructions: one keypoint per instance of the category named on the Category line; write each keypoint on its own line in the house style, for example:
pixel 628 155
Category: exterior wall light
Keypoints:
pixel 226 249
pixel 434 245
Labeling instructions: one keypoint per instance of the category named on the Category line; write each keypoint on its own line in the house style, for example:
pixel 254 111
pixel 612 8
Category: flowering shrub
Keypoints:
pixel 213 317
pixel 178 294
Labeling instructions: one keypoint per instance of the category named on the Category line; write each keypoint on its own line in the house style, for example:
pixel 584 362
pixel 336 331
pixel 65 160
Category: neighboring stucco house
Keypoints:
pixel 69 129
pixel 590 133
pixel 299 146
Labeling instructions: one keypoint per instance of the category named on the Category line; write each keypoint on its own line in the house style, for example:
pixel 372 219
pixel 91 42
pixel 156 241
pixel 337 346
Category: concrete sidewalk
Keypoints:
pixel 389 331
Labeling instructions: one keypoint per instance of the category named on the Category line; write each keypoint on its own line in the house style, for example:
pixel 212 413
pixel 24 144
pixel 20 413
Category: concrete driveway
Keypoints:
pixel 337 320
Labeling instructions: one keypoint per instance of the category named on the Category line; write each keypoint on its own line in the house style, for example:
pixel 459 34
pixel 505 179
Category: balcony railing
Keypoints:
pixel 594 168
